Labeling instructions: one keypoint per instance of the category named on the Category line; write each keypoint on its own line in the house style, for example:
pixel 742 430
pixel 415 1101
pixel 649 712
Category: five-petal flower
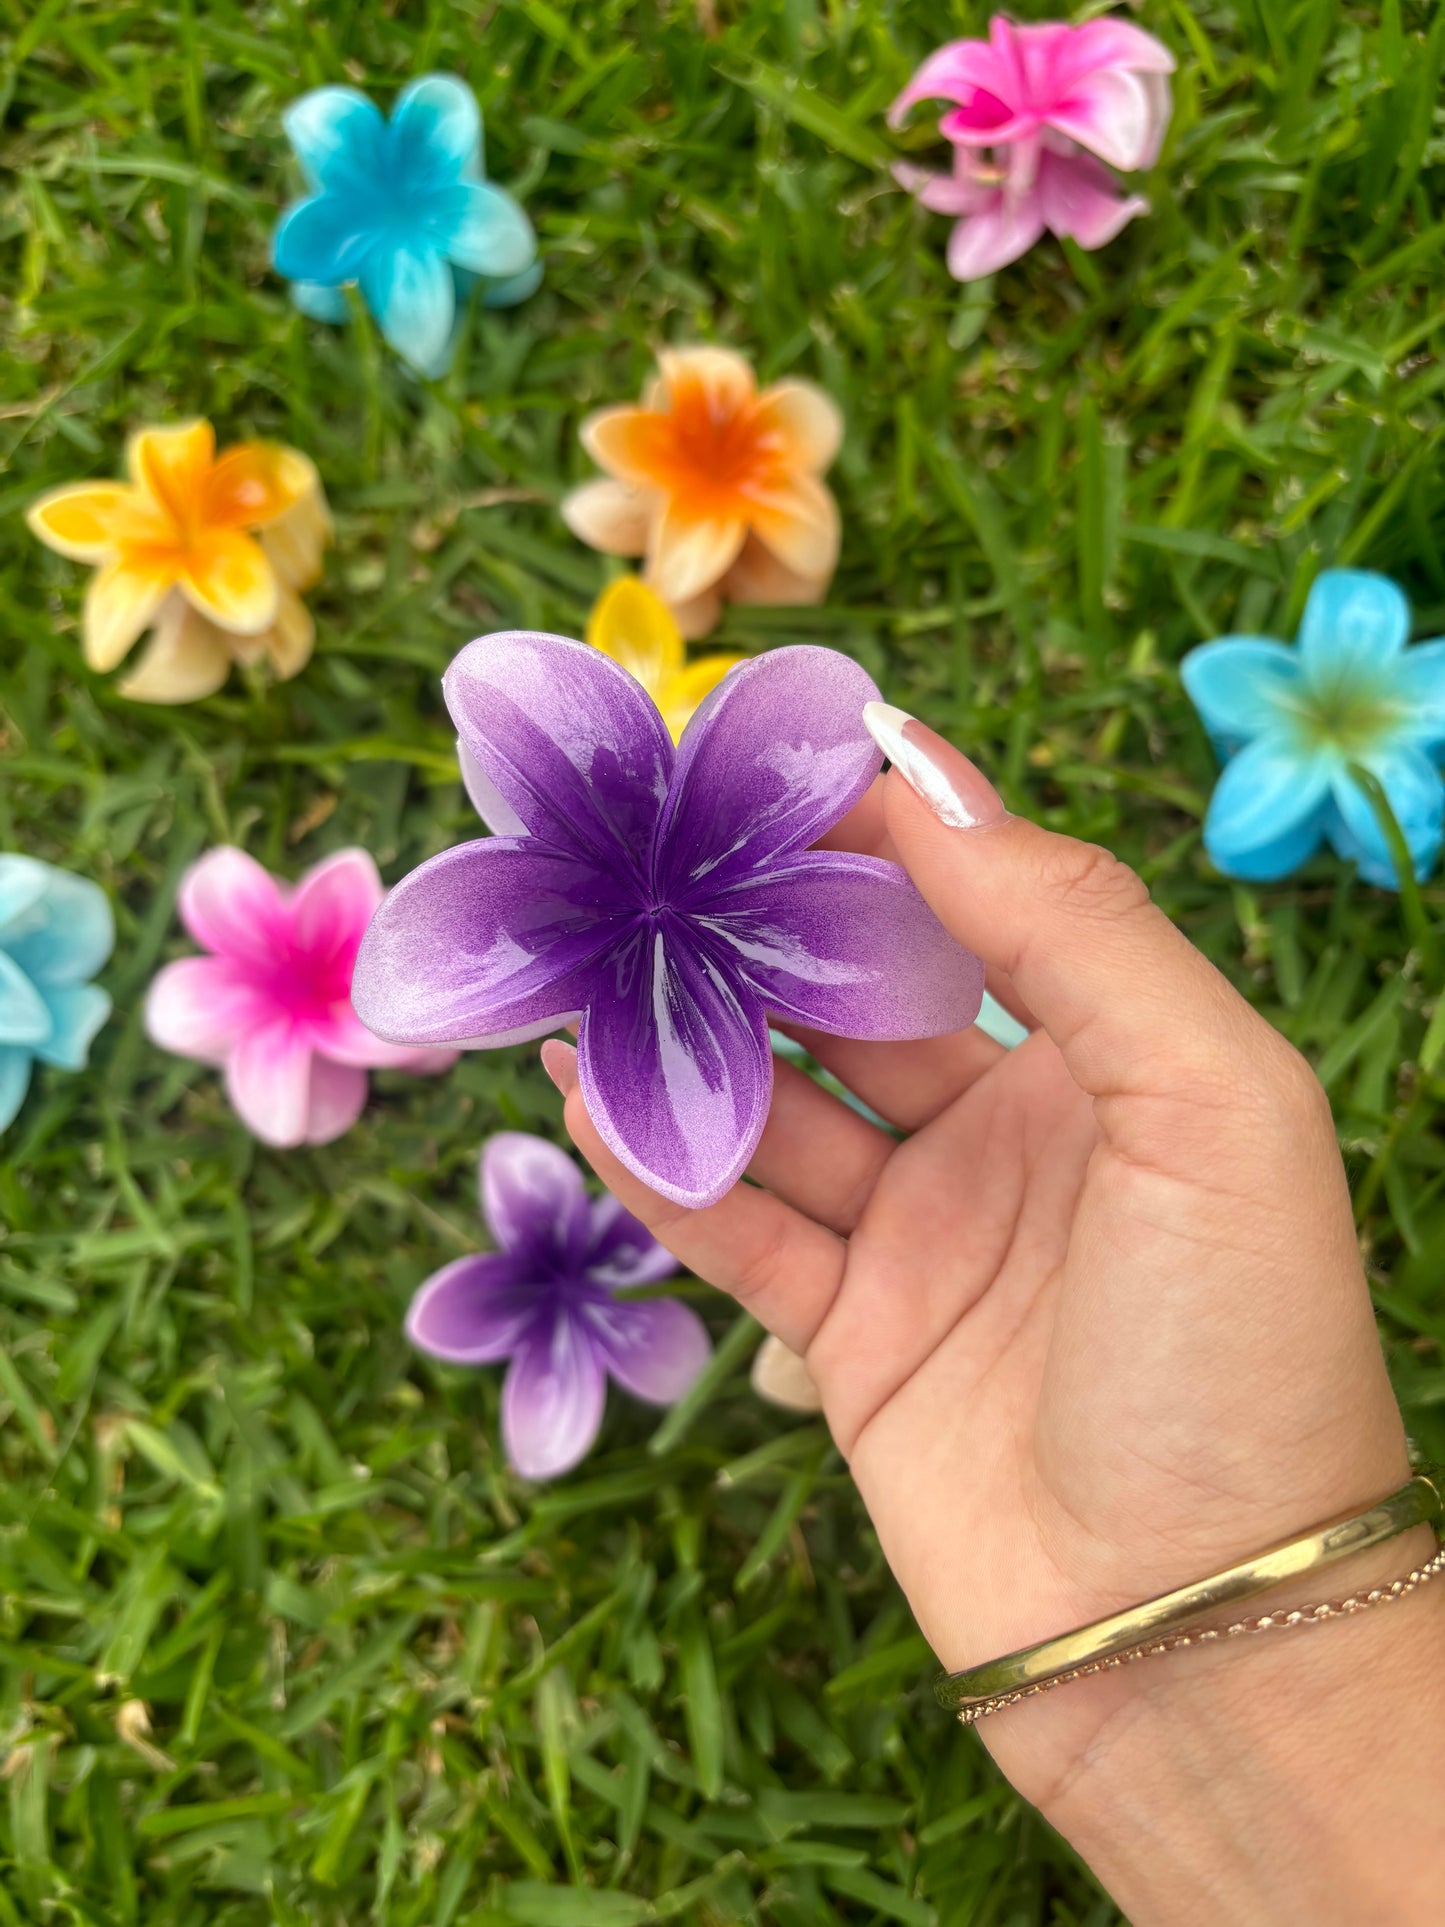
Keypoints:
pixel 636 628
pixel 668 899
pixel 718 484
pixel 270 1002
pixel 56 930
pixel 547 1300
pixel 400 208
pixel 1291 722
pixel 210 549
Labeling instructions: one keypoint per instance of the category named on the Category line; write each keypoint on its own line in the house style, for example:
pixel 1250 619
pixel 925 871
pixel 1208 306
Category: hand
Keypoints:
pixel 1098 1325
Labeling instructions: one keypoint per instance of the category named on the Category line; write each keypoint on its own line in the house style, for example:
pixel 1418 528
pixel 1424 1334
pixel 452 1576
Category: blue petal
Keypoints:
pixel 436 132
pixel 411 293
pixel 77 1012
pixel 482 229
pixel 322 304
pixel 516 287
pixel 325 239
pixel 1355 625
pixel 1420 684
pixel 70 932
pixel 14 1081
pixel 1239 685
pixel 22 886
pixel 1417 797
pixel 340 139
pixel 23 1016
pixel 1266 816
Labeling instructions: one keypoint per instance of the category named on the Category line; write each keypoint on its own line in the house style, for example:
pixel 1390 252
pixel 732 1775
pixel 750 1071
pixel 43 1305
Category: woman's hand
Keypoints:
pixel 1098 1326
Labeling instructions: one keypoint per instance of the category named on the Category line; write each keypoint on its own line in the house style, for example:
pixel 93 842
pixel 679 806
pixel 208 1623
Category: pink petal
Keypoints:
pixel 333 903
pixel 200 1006
pixel 957 193
pixel 231 906
pixel 268 1079
pixel 989 240
pixel 1112 114
pixel 1109 43
pixel 337 1098
pixel 1079 198
pixel 966 71
pixel 553 1399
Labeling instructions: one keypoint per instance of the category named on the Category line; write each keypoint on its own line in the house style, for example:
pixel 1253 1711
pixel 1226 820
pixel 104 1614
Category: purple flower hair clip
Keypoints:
pixel 668 902
pixel 546 1299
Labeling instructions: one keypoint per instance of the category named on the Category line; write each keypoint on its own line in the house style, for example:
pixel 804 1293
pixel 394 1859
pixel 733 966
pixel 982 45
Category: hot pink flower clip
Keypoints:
pixel 1038 112
pixel 270 1002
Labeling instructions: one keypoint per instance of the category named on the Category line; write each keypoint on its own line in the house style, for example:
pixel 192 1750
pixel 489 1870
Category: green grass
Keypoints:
pixel 386 1681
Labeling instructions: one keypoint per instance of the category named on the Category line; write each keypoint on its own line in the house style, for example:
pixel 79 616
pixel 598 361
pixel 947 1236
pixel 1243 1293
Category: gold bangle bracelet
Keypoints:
pixel 1088 1647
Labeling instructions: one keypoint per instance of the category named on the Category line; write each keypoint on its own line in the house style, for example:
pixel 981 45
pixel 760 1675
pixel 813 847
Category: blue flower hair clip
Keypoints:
pixel 56 931
pixel 400 209
pixel 1293 725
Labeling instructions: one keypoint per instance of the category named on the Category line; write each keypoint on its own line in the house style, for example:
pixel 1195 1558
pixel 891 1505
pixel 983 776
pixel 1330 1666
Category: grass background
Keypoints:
pixel 385 1681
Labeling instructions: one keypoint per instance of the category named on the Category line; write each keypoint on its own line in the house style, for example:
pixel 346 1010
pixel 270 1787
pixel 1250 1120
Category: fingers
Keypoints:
pixel 780 1265
pixel 909 1084
pixel 816 1153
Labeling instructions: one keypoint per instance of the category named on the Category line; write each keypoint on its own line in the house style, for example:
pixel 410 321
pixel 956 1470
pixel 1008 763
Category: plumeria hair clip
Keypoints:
pixel 1292 724
pixel 637 629
pixel 547 1300
pixel 664 900
pixel 56 931
pixel 1040 114
pixel 400 209
pixel 209 552
pixel 718 484
pixel 269 1003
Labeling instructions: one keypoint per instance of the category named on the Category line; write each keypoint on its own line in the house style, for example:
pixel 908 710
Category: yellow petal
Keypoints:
pixel 188 658
pixel 228 579
pixel 92 521
pixel 635 627
pixel 119 603
pixel 171 465
pixel 296 542
pixel 680 695
pixel 254 483
pixel 290 640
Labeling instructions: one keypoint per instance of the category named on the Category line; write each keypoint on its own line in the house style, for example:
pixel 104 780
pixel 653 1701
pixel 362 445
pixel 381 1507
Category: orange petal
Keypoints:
pixel 798 521
pixel 92 521
pixel 171 465
pixel 119 603
pixel 252 484
pixel 688 554
pixel 680 695
pixel 698 616
pixel 759 577
pixel 634 444
pixel 635 627
pixel 188 658
pixel 609 516
pixel 725 375
pixel 806 424
pixel 228 578
pixel 296 542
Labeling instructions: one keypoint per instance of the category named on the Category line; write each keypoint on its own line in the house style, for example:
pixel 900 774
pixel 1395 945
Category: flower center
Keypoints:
pixel 1344 717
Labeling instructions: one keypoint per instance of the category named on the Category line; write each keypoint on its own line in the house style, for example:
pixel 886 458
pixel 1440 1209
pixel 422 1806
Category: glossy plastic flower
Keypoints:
pixel 637 629
pixel 667 900
pixel 56 931
pixel 1037 113
pixel 209 550
pixel 400 209
pixel 719 485
pixel 1291 722
pixel 547 1300
pixel 270 1001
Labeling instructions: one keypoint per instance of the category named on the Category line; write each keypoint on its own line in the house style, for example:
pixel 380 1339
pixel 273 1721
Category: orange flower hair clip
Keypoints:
pixel 718 484
pixel 207 551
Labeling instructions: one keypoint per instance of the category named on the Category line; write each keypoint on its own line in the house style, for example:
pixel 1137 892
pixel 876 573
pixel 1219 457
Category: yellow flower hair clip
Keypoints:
pixel 637 629
pixel 207 551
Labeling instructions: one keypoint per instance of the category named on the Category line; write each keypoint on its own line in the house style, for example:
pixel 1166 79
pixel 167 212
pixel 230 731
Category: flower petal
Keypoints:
pixel 473 1311
pixel 720 381
pixel 962 71
pixel 653 1347
pixel 1109 42
pixel 575 745
pixel 635 628
pixel 201 1006
pixel 296 541
pixel 331 906
pixel 188 658
pixel 1267 814
pixel 782 1378
pixel 335 1099
pixel 1111 113
pixel 534 1201
pixel 436 132
pixel 228 579
pixel 1417 797
pixel 609 516
pixel 487 800
pixel 688 553
pixel 1078 199
pixel 621 1250
pixel 759 576
pixel 411 292
pixel 700 614
pixel 681 696
pixel 88 521
pixel 553 1399
pixel 1420 683
pixel 24 881
pixel 64 933
pixel 488 943
pixel 15 1064
pixel 290 639
pixel 339 137
pixel 845 944
pixel 320 302
pixel 1355 626
pixel 1240 685
pixel 772 759
pixel 24 1018
pixel 121 601
pixel 268 1080
pixel 324 241
pixel 233 907
pixel 675 1069
pixel 170 464
pixel 797 518
pixel 983 243
pixel 509 289
pixel 483 229
pixel 256 483
pixel 636 445
pixel 807 422
pixel 77 1012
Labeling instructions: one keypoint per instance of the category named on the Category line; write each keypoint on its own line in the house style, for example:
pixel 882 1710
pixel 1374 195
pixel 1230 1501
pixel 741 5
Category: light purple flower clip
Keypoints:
pixel 547 1301
pixel 666 900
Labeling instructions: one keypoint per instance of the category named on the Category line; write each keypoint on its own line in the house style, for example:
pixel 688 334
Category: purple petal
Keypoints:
pixel 534 1200
pixel 472 1311
pixel 676 1069
pixel 553 1398
pixel 488 943
pixel 571 742
pixel 621 1250
pixel 653 1347
pixel 772 759
pixel 846 944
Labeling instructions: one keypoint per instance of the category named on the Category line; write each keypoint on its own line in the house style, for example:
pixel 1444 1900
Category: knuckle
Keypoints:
pixel 1096 883
pixel 759 1268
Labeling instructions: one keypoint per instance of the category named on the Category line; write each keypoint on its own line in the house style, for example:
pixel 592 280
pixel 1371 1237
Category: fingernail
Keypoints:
pixel 958 794
pixel 559 1061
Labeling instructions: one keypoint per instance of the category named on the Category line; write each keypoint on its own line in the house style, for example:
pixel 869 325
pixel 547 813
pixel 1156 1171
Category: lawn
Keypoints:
pixel 281 1638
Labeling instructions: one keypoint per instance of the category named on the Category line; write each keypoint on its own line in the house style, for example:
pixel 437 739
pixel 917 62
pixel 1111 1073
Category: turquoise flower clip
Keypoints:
pixel 1292 724
pixel 400 208
pixel 56 930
